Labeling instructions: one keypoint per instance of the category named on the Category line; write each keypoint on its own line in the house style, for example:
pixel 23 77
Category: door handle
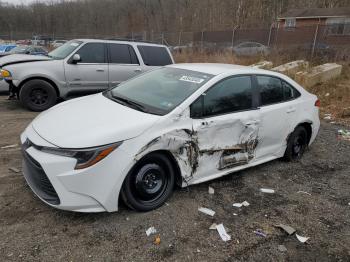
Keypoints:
pixel 252 122
pixel 291 110
pixel 138 70
pixel 100 70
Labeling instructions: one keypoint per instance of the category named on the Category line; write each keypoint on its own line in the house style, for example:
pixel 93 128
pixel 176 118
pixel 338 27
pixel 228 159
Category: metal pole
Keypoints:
pixel 233 36
pixel 315 39
pixel 180 36
pixel 202 40
pixel 162 38
pixel 268 42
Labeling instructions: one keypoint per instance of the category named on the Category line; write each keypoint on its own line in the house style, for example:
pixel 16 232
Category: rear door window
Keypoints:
pixel 289 91
pixel 122 54
pixel 155 55
pixel 271 90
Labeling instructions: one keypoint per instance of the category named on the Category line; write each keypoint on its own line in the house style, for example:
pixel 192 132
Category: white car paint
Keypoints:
pixel 198 145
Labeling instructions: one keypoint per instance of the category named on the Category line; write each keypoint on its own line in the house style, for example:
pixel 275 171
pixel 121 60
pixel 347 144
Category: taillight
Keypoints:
pixel 318 103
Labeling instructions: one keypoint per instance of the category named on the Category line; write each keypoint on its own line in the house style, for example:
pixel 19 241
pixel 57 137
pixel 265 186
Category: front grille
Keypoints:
pixel 38 180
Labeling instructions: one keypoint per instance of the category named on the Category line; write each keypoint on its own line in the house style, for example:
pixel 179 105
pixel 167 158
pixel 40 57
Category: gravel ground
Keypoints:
pixel 33 231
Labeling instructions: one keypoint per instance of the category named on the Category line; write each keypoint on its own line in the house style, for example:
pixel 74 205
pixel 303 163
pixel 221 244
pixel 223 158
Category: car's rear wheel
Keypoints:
pixel 149 184
pixel 37 95
pixel 297 144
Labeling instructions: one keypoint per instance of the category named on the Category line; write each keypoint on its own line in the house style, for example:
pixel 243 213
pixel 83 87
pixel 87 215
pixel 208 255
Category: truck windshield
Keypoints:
pixel 63 51
pixel 159 91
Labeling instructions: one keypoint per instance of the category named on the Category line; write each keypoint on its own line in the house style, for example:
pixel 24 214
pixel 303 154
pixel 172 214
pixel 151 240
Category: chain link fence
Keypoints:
pixel 318 39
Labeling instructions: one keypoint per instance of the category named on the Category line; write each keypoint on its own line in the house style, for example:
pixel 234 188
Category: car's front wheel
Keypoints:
pixel 149 184
pixel 37 95
pixel 297 144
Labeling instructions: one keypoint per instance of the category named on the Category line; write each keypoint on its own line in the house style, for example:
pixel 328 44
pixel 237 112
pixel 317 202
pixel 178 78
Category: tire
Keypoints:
pixel 149 184
pixel 297 144
pixel 37 95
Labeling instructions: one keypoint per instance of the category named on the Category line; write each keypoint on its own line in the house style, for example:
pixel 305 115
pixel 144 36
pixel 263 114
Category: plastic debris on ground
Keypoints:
pixel 259 232
pixel 206 211
pixel 344 134
pixel 14 169
pixel 244 203
pixel 267 190
pixel 304 192
pixel 157 240
pixel 222 232
pixel 211 190
pixel 286 228
pixel 9 146
pixel 302 239
pixel 282 248
pixel 151 231
pixel 327 116
pixel 213 226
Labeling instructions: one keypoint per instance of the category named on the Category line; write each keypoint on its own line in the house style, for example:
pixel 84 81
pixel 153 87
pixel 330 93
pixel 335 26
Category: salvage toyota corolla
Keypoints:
pixel 181 124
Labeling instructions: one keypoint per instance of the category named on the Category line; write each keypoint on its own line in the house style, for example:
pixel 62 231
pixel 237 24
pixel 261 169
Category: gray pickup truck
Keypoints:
pixel 79 67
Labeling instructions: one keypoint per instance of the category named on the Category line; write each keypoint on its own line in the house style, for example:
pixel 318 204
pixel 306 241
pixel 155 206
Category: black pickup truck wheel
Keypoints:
pixel 37 95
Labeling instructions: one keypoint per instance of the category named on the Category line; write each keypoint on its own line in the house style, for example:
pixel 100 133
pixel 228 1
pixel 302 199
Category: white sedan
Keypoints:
pixel 181 124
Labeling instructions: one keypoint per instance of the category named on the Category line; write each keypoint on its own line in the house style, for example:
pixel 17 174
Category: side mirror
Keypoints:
pixel 76 58
pixel 27 52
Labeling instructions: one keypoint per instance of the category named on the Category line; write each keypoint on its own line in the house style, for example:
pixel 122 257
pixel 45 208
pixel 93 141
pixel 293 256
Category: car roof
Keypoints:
pixel 217 69
pixel 130 42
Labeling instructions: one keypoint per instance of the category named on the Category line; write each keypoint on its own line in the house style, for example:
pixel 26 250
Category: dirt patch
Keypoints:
pixel 32 231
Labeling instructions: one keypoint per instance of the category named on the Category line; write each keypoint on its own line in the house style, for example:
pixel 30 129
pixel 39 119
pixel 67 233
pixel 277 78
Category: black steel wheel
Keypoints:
pixel 38 95
pixel 149 184
pixel 297 144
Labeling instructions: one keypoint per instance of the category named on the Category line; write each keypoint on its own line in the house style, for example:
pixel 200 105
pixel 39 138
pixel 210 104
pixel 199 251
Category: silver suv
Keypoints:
pixel 79 67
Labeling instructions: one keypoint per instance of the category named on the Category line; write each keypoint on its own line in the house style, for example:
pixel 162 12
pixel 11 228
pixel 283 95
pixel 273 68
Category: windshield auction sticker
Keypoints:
pixel 192 79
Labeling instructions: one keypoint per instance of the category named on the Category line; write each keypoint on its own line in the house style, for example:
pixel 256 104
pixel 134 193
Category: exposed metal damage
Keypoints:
pixel 209 149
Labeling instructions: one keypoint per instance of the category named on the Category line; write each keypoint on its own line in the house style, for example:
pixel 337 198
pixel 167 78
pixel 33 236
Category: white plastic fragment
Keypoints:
pixel 206 211
pixel 213 226
pixel 151 231
pixel 304 192
pixel 267 190
pixel 9 146
pixel 235 214
pixel 301 238
pixel 211 190
pixel 244 203
pixel 222 232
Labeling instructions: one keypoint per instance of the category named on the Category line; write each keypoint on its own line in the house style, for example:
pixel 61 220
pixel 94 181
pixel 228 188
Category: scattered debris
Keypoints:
pixel 222 232
pixel 206 211
pixel 244 203
pixel 327 118
pixel 318 74
pixel 267 190
pixel 213 226
pixel 14 169
pixel 344 134
pixel 259 232
pixel 211 190
pixel 151 231
pixel 282 248
pixel 286 228
pixel 157 240
pixel 263 65
pixel 127 218
pixel 198 250
pixel 302 239
pixel 235 214
pixel 9 146
pixel 303 192
pixel 292 68
pixel 327 94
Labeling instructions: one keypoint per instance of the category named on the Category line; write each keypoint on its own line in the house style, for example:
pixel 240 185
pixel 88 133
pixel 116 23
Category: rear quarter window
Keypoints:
pixel 155 55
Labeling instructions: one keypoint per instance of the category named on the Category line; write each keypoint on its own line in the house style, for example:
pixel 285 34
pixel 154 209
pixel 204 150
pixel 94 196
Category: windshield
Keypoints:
pixel 21 49
pixel 64 50
pixel 3 48
pixel 159 91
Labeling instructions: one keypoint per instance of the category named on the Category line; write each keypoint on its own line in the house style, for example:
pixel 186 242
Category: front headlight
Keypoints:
pixel 6 74
pixel 85 157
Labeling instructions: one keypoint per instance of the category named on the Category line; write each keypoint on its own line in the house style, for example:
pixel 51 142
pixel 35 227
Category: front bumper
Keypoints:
pixel 55 181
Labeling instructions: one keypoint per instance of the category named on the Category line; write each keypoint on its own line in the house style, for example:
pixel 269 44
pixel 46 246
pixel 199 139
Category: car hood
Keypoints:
pixel 17 58
pixel 91 121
